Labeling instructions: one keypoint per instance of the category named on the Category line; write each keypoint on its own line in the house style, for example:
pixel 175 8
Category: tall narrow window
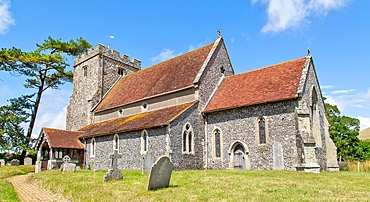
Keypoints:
pixel 190 141
pixel 187 139
pixel 262 131
pixel 217 143
pixel 144 142
pixel 92 147
pixel 84 69
pixel 313 107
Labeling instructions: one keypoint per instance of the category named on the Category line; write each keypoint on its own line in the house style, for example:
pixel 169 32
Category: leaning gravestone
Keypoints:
pixel 114 173
pixel 14 162
pixel 67 167
pixel 148 161
pixel 278 158
pixel 28 161
pixel 2 162
pixel 160 173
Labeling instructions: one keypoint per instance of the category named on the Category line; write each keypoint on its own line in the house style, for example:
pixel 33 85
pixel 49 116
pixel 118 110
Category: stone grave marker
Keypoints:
pixel 28 161
pixel 67 167
pixel 14 162
pixel 114 173
pixel 160 173
pixel 148 161
pixel 278 161
pixel 2 162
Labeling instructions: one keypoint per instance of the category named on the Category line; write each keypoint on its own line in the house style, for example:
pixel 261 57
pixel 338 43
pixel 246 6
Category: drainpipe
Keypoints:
pixel 206 138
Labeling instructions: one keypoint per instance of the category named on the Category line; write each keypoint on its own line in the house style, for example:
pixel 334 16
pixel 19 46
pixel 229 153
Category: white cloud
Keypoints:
pixel 286 14
pixel 364 122
pixel 6 19
pixel 342 91
pixel 203 43
pixel 164 55
pixel 327 87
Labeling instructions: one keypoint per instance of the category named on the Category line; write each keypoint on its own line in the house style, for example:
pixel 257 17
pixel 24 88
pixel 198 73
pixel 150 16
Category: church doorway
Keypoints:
pixel 239 159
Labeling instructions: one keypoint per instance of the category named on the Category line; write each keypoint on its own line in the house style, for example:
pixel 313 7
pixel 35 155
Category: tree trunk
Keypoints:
pixel 33 116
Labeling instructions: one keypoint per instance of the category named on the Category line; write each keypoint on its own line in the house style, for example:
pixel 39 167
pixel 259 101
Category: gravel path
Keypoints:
pixel 29 190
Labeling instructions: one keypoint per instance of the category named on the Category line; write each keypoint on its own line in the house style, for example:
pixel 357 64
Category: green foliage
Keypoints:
pixel 12 136
pixel 344 131
pixel 44 68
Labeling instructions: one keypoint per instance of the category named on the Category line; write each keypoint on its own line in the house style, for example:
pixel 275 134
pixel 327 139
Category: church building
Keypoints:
pixel 195 110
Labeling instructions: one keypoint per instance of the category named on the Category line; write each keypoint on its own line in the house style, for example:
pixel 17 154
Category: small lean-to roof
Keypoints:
pixel 144 120
pixel 63 138
pixel 170 75
pixel 273 83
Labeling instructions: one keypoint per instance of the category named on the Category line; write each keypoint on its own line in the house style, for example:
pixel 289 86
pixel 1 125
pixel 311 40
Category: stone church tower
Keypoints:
pixel 95 72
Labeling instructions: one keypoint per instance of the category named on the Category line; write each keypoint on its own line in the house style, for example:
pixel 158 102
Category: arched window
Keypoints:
pixel 217 143
pixel 187 139
pixel 144 142
pixel 84 69
pixel 313 107
pixel 262 130
pixel 92 153
pixel 116 142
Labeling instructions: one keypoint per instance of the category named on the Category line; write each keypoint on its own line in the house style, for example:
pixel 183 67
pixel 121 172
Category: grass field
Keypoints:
pixel 7 192
pixel 212 185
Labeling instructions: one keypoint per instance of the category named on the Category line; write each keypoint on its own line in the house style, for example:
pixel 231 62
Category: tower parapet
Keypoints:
pixel 100 49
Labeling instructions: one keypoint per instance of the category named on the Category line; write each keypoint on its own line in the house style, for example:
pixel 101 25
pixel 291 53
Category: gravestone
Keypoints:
pixel 160 173
pixel 67 167
pixel 148 161
pixel 28 161
pixel 114 173
pixel 2 162
pixel 278 160
pixel 14 162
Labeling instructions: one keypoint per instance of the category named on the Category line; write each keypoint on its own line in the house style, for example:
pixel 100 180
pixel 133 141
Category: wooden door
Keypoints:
pixel 239 158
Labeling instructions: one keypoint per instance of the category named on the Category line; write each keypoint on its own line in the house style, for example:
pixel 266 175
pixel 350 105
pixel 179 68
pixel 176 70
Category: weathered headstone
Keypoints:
pixel 28 161
pixel 14 162
pixel 160 173
pixel 278 161
pixel 148 161
pixel 2 162
pixel 114 173
pixel 67 167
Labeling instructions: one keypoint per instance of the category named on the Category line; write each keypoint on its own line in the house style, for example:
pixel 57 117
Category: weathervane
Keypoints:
pixel 219 32
pixel 308 51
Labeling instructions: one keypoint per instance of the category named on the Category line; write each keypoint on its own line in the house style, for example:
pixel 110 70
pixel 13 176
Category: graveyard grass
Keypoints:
pixel 7 192
pixel 212 185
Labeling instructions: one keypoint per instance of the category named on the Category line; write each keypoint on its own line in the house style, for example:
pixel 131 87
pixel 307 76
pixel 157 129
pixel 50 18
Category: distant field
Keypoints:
pixel 213 185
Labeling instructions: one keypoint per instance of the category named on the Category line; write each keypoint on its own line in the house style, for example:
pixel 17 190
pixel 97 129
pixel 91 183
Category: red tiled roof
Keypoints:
pixel 150 119
pixel 63 138
pixel 167 76
pixel 269 84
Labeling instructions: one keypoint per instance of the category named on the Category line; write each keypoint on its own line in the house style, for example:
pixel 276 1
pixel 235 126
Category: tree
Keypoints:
pixel 43 68
pixel 12 136
pixel 344 131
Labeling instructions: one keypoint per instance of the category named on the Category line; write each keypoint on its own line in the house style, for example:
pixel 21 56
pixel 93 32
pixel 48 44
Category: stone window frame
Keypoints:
pixel 116 142
pixel 144 143
pixel 214 144
pixel 121 71
pixel 120 112
pixel 84 71
pixel 93 147
pixel 315 116
pixel 187 139
pixel 258 138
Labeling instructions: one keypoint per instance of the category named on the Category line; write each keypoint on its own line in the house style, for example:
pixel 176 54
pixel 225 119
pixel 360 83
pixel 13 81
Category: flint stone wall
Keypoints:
pixel 241 125
pixel 102 72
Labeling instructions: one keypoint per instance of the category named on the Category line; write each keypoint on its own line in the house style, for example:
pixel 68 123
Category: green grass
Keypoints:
pixel 7 192
pixel 212 185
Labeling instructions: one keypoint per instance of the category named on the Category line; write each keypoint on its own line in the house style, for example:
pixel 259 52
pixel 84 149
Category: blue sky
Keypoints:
pixel 257 33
